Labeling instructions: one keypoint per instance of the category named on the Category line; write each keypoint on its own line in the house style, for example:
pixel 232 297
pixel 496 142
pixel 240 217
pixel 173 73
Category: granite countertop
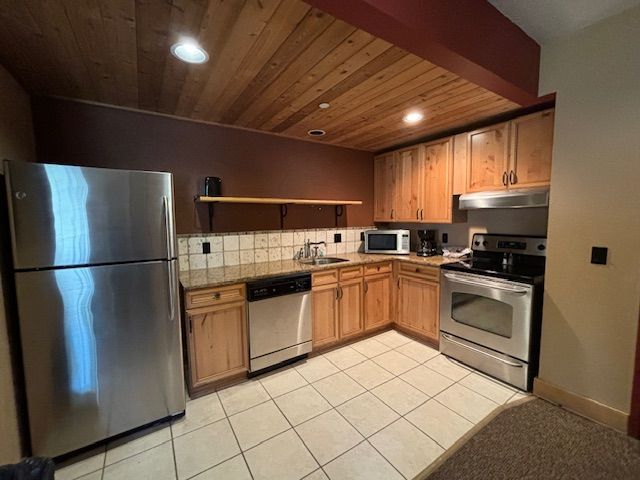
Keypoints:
pixel 216 277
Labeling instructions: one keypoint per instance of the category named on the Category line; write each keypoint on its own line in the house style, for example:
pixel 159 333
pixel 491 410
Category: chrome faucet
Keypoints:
pixel 307 248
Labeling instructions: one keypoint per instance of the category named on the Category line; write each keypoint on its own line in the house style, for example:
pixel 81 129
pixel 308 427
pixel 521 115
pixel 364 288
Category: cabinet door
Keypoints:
pixel 418 306
pixel 438 199
pixel 531 145
pixel 377 301
pixel 350 308
pixel 487 158
pixel 325 315
pixel 384 187
pixel 410 184
pixel 460 164
pixel 218 341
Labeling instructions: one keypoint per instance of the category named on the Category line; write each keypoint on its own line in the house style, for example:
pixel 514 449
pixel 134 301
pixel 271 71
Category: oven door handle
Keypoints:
pixel 485 283
pixel 477 350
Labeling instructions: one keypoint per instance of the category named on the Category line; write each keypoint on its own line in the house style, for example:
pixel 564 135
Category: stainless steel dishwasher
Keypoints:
pixel 279 320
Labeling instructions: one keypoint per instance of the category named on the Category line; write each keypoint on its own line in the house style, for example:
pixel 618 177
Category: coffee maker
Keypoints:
pixel 426 243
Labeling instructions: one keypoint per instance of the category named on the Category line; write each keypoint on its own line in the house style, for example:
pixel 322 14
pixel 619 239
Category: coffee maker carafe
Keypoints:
pixel 426 243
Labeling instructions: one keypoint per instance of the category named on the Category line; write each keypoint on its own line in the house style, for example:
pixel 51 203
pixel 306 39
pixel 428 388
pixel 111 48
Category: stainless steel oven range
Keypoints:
pixel 491 307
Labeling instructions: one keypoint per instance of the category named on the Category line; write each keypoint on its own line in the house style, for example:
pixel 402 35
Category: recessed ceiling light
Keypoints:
pixel 189 51
pixel 316 132
pixel 324 105
pixel 412 117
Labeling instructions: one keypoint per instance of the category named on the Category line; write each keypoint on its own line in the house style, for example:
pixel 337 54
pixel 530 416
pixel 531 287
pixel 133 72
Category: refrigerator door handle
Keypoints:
pixel 167 225
pixel 172 283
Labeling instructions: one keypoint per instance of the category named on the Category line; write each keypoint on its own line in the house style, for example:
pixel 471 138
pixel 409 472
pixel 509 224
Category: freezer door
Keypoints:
pixel 101 349
pixel 64 215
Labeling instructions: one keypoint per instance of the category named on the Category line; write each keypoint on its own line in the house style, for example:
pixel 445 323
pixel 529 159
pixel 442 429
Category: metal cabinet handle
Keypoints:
pixel 398 284
pixel 418 214
pixel 216 296
pixel 421 214
pixel 505 179
pixel 337 293
pixel 468 347
pixel 513 179
pixel 366 286
pixel 392 213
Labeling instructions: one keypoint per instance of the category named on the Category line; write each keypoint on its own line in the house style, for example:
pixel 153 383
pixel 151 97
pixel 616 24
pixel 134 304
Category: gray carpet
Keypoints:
pixel 538 440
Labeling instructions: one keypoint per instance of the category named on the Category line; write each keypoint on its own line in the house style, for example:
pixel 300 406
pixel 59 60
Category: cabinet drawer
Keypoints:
pixel 377 268
pixel 350 273
pixel 423 271
pixel 215 296
pixel 324 277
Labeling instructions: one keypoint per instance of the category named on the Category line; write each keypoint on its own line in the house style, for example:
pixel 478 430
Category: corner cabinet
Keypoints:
pixel 414 184
pixel 216 335
pixel 515 154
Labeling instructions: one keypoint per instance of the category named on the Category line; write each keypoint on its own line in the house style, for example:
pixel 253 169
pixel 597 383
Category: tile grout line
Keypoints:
pixel 224 410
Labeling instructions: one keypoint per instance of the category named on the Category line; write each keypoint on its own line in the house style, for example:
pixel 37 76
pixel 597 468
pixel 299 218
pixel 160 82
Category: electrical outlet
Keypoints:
pixel 445 238
pixel 362 236
pixel 206 247
pixel 337 238
pixel 599 255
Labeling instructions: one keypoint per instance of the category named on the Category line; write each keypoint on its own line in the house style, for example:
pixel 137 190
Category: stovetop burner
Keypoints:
pixel 511 257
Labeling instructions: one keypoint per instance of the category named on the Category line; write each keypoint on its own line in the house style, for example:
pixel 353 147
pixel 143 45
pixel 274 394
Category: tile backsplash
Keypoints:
pixel 240 248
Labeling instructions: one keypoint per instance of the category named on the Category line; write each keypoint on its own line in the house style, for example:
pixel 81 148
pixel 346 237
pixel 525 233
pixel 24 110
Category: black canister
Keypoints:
pixel 213 187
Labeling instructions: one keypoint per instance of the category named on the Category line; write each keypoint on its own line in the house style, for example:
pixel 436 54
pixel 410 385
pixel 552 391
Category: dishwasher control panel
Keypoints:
pixel 278 286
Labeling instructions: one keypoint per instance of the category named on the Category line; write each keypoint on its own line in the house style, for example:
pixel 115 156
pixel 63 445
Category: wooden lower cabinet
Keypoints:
pixel 419 306
pixel 218 345
pixel 377 301
pixel 350 308
pixel 325 315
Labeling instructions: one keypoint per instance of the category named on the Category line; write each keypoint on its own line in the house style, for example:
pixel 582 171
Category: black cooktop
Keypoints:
pixel 520 271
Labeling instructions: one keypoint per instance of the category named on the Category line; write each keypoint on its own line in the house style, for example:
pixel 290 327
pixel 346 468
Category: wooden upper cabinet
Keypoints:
pixel 350 308
pixel 377 301
pixel 409 189
pixel 384 187
pixel 325 315
pixel 531 146
pixel 437 197
pixel 460 164
pixel 218 342
pixel 488 158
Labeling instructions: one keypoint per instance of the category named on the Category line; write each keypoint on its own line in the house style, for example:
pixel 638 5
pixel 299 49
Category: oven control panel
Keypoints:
pixel 486 242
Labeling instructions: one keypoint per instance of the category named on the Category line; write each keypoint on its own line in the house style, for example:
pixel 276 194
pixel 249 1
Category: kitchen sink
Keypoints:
pixel 322 260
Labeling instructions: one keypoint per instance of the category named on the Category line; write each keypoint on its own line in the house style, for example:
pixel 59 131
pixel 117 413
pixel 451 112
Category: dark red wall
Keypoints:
pixel 249 163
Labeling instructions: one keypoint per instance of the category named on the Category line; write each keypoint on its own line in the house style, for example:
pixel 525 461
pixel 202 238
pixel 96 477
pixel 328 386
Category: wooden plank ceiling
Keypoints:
pixel 271 63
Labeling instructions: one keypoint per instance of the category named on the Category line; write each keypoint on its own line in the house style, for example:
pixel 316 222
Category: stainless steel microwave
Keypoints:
pixel 395 242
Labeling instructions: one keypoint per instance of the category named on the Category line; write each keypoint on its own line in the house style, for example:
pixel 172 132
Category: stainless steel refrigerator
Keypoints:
pixel 94 255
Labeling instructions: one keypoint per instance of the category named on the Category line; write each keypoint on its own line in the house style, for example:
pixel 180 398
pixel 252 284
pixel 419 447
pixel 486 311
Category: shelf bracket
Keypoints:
pixel 283 213
pixel 339 212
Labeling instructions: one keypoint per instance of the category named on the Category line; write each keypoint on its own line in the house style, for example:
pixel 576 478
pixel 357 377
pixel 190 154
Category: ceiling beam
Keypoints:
pixel 470 38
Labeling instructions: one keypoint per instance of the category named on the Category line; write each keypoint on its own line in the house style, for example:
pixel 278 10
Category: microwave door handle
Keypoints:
pixel 477 350
pixel 484 283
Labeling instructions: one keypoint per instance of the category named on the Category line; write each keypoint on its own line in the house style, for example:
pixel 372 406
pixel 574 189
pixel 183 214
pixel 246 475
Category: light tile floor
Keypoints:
pixel 385 407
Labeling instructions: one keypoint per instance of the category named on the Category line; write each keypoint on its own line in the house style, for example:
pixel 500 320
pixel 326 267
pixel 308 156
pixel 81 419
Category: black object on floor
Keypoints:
pixel 29 469
pixel 538 440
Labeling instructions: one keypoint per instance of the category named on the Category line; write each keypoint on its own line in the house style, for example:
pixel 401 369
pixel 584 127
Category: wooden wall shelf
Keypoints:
pixel 282 202
pixel 274 201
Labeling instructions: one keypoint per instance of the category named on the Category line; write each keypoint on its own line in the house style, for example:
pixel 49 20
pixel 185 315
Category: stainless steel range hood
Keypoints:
pixel 524 198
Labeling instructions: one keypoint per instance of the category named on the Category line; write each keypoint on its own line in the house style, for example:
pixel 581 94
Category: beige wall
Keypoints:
pixel 16 142
pixel 591 311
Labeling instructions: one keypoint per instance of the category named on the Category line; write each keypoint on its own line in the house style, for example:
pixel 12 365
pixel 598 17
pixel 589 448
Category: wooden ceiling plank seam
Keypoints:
pixel 312 88
pixel 244 50
pixel 475 114
pixel 441 112
pixel 312 26
pixel 118 18
pixel 375 69
pixel 394 109
pixel 348 105
pixel 185 21
pixel 411 88
pixel 326 45
pixel 152 19
pixel 40 43
pixel 221 20
pixel 86 22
